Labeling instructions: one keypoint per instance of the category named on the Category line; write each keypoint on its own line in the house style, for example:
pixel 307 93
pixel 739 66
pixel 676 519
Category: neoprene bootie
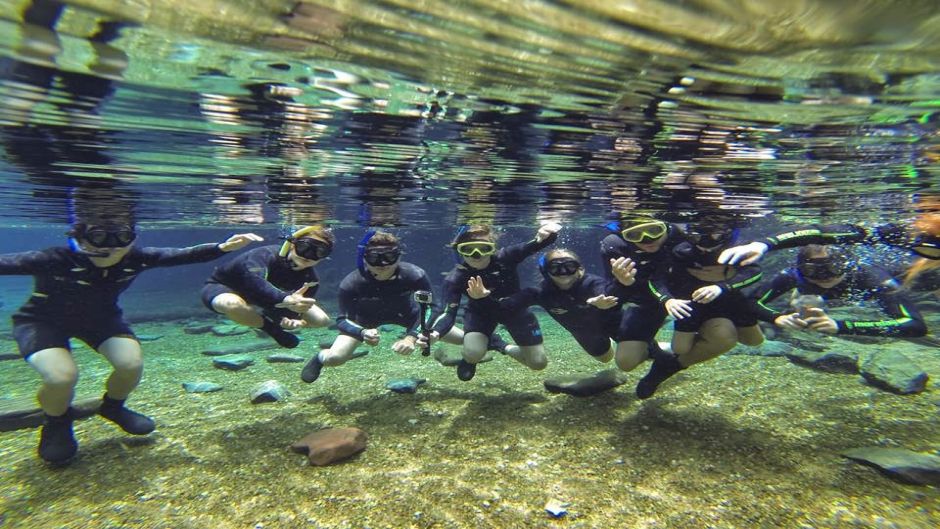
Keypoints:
pixel 57 443
pixel 129 420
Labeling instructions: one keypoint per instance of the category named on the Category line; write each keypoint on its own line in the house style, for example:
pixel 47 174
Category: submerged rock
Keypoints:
pixel 197 328
pixel 284 358
pixel 405 385
pixel 269 391
pixel 900 464
pixel 241 347
pixel 768 348
pixel 581 386
pixel 831 361
pixel 556 508
pixel 331 445
pixel 229 330
pixel 10 356
pixel 201 387
pixel 233 362
pixel 892 371
pixel 148 337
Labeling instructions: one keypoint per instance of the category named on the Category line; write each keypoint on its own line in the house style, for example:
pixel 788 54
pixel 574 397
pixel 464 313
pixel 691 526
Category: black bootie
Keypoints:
pixel 664 366
pixel 497 344
pixel 129 420
pixel 311 371
pixel 466 370
pixel 57 443
pixel 282 337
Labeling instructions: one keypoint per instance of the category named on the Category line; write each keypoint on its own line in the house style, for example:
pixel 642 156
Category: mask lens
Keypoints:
pixel 710 240
pixel 109 238
pixel 647 230
pixel 821 269
pixel 476 249
pixel 382 257
pixel 312 249
pixel 563 267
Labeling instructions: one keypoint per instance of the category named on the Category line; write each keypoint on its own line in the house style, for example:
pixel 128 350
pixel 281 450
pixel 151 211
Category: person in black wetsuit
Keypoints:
pixel 272 287
pixel 482 265
pixel 826 272
pixel 712 314
pixel 586 305
pixel 379 292
pixel 76 295
pixel 646 244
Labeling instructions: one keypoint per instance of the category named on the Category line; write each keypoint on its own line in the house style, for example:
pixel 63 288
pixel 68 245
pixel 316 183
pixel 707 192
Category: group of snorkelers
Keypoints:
pixel 653 269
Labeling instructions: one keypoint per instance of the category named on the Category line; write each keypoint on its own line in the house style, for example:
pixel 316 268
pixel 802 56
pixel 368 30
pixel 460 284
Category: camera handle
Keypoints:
pixel 423 297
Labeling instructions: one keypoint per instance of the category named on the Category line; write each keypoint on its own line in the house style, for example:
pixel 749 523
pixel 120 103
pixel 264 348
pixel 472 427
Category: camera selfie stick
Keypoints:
pixel 424 299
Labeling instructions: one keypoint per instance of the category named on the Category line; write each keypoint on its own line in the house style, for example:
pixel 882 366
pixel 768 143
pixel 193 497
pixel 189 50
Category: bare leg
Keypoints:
pixel 531 356
pixel 474 346
pixel 127 360
pixel 237 309
pixel 59 377
pixel 750 335
pixel 316 317
pixel 631 354
pixel 715 337
pixel 340 352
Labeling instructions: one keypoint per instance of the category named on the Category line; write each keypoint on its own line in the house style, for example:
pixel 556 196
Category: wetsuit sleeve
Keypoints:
pixel 202 253
pixel 830 234
pixel 904 318
pixel 518 252
pixel 745 277
pixel 446 315
pixel 521 300
pixel 252 275
pixel 25 263
pixel 780 285
pixel 347 304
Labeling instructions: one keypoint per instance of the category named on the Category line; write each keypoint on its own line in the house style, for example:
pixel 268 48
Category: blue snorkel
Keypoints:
pixel 361 251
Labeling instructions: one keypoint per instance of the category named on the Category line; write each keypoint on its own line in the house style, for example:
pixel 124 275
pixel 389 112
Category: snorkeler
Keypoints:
pixel 581 302
pixel 826 272
pixel 484 264
pixel 272 287
pixel 646 243
pixel 379 292
pixel 711 313
pixel 76 295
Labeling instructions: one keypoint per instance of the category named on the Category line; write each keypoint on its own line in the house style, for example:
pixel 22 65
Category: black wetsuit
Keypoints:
pixel 74 298
pixel 731 303
pixel 262 278
pixel 642 322
pixel 593 328
pixel 366 302
pixel 860 284
pixel 502 279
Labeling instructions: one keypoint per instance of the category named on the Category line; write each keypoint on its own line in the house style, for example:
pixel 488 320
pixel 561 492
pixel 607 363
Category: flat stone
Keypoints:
pixel 331 445
pixel 830 360
pixel 25 413
pixel 892 371
pixel 148 337
pixel 201 387
pixel 241 347
pixel 233 362
pixel 405 385
pixel 269 391
pixel 900 464
pixel 10 356
pixel 197 328
pixel 284 358
pixel 229 330
pixel 585 386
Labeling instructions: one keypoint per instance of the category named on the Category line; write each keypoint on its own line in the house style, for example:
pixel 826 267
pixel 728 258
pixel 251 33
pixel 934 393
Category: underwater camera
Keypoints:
pixel 423 296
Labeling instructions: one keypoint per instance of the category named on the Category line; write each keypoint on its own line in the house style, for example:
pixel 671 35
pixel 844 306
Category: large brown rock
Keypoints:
pixel 330 445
